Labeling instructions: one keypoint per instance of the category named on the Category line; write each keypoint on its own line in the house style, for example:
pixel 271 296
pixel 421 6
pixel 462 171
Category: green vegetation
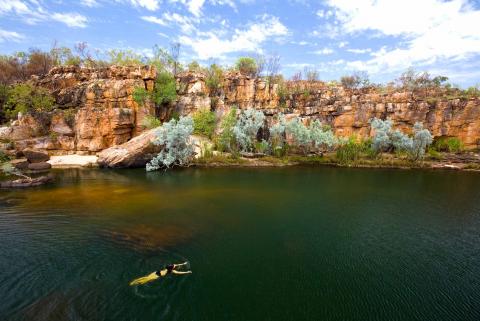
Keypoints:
pixel 3 157
pixel 214 79
pixel 150 122
pixel 140 95
pixel 225 141
pixel 448 144
pixel 125 57
pixel 165 88
pixel 349 152
pixel 24 98
pixel 247 66
pixel 204 123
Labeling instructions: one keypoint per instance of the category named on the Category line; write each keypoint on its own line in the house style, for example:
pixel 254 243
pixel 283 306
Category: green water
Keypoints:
pixel 263 244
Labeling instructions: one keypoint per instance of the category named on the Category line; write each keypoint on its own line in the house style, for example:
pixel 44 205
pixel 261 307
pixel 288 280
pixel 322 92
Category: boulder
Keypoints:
pixel 20 164
pixel 39 166
pixel 35 156
pixel 135 153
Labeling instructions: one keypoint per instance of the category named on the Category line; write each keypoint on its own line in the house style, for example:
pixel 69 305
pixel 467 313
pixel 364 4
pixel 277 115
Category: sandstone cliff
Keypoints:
pixel 96 109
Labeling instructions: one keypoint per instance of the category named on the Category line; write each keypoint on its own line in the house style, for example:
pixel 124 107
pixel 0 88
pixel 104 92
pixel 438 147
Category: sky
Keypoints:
pixel 335 37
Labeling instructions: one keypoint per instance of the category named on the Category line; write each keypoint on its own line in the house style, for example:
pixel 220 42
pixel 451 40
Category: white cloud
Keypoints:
pixel 24 10
pixel 324 51
pixel 359 51
pixel 32 12
pixel 73 20
pixel 324 14
pixel 195 7
pixel 209 45
pixel 89 3
pixel 151 5
pixel 431 30
pixel 6 35
pixel 155 20
pixel 186 24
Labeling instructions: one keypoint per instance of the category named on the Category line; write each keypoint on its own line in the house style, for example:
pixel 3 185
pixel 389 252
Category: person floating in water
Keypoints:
pixel 169 269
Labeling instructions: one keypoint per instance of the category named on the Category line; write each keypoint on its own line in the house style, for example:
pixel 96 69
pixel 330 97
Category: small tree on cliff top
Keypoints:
pixel 247 66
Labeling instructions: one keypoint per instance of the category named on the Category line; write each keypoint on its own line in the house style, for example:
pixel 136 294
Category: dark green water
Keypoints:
pixel 263 244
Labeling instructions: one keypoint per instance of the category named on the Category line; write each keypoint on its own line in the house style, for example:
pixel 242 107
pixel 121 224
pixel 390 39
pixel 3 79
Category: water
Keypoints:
pixel 263 244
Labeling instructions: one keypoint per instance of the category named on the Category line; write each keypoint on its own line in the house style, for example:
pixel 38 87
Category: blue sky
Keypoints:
pixel 336 37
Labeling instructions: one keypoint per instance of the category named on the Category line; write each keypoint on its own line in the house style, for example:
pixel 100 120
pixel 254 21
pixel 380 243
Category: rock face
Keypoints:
pixel 97 111
pixel 135 153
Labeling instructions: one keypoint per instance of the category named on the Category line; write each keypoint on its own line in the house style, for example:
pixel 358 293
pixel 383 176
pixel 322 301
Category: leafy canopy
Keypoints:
pixel 24 98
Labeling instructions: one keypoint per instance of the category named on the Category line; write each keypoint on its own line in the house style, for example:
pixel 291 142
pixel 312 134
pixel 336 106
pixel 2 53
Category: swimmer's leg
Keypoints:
pixel 145 279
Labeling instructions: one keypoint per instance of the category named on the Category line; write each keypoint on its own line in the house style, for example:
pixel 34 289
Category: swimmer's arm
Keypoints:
pixel 181 264
pixel 181 273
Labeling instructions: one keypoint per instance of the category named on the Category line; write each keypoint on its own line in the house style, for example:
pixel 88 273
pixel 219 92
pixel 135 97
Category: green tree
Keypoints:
pixel 165 88
pixel 247 66
pixel 25 98
pixel 125 57
pixel 194 66
pixel 214 79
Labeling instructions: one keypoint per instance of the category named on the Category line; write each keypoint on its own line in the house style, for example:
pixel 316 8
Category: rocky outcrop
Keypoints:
pixel 347 111
pixel 36 160
pixel 35 156
pixel 96 110
pixel 27 182
pixel 135 153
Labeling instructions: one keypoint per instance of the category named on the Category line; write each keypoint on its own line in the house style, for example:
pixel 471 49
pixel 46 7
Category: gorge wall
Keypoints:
pixel 96 109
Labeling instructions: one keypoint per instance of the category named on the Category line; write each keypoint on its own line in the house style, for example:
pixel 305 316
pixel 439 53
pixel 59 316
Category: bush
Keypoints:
pixel 174 136
pixel 125 58
pixel 247 66
pixel 3 100
pixel 214 79
pixel 349 152
pixel 246 129
pixel 322 136
pixel 300 134
pixel 385 138
pixel 3 157
pixel 448 144
pixel 283 94
pixel 277 135
pixel 165 88
pixel 355 81
pixel 25 98
pixel 150 122
pixel 262 147
pixel 204 123
pixel 194 66
pixel 140 95
pixel 225 142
